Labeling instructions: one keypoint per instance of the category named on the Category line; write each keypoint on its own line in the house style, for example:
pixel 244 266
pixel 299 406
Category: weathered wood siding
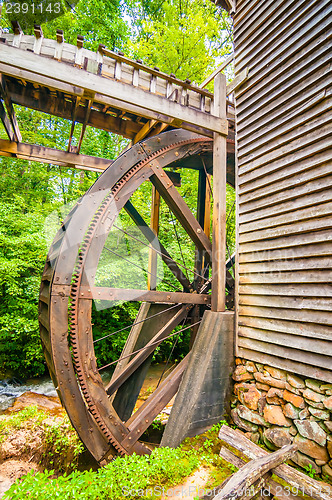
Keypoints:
pixel 284 138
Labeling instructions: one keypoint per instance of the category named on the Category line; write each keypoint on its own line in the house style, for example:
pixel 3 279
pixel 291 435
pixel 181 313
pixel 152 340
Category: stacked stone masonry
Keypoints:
pixel 277 408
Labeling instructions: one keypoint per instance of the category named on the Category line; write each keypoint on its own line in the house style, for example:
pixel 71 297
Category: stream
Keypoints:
pixel 12 388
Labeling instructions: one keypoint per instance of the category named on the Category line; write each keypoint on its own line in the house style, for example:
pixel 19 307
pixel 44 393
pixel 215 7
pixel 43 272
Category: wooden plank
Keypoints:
pixel 148 411
pixel 219 69
pixel 312 181
pixel 302 482
pixel 295 129
pixel 84 124
pixel 300 290
pixel 140 357
pixel 236 83
pixel 286 352
pixel 6 123
pixel 49 155
pixel 288 277
pixel 268 112
pixel 288 302
pixel 219 201
pixel 285 207
pixel 9 108
pixel 287 241
pixel 154 225
pixel 307 264
pixel 312 345
pixel 304 214
pixel 272 486
pixel 307 316
pixel 179 207
pixel 119 294
pixel 307 226
pixel 92 83
pixel 252 471
pixel 287 364
pixel 293 327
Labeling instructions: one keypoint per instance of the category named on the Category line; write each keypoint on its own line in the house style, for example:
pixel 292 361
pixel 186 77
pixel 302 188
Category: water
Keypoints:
pixel 10 389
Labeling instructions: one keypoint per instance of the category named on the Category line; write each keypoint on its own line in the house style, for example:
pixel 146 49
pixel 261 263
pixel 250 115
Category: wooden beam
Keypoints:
pixel 9 108
pixel 179 115
pixel 77 103
pixel 64 109
pixel 145 130
pixel 216 71
pixel 55 156
pixel 6 123
pixel 237 82
pixel 154 225
pixel 299 481
pixel 252 471
pixel 85 122
pixel 129 294
pixel 219 201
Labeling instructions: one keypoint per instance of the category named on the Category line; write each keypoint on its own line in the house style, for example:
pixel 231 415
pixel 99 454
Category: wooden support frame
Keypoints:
pixel 154 225
pixel 219 201
pixel 10 110
pixel 105 90
pixel 55 156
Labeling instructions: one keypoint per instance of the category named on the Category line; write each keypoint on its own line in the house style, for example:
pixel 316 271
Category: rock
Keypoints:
pixel 328 424
pixel 275 372
pixel 260 367
pixel 261 405
pixel 295 381
pixel 293 430
pixel 251 398
pixel 268 443
pixel 320 462
pixel 296 400
pixel 238 361
pixel 263 379
pixel 290 411
pixel 253 436
pixel 326 387
pixel 323 426
pixel 279 436
pixel 50 403
pixel 319 406
pixel 321 414
pixel 274 396
pixel 249 415
pixel 243 424
pixel 262 387
pixel 274 415
pixel 241 386
pixel 304 461
pixel 250 366
pixel 314 385
pixel 329 448
pixel 328 403
pixel 311 448
pixel 313 396
pixel 304 414
pixel 292 389
pixel 241 375
pixel 326 469
pixel 311 430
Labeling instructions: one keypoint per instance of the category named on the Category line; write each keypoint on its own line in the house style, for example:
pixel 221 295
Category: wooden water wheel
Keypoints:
pixel 74 280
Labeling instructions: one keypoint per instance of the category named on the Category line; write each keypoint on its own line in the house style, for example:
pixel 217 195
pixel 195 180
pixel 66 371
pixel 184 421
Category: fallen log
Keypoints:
pixel 300 483
pixel 248 480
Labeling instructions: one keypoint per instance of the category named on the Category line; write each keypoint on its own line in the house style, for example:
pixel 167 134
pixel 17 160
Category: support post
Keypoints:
pixel 219 200
pixel 152 267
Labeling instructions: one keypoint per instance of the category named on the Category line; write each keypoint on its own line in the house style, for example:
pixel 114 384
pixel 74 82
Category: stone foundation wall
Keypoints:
pixel 277 408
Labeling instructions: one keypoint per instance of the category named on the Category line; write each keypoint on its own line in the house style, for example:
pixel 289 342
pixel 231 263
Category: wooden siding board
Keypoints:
pixel 284 224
